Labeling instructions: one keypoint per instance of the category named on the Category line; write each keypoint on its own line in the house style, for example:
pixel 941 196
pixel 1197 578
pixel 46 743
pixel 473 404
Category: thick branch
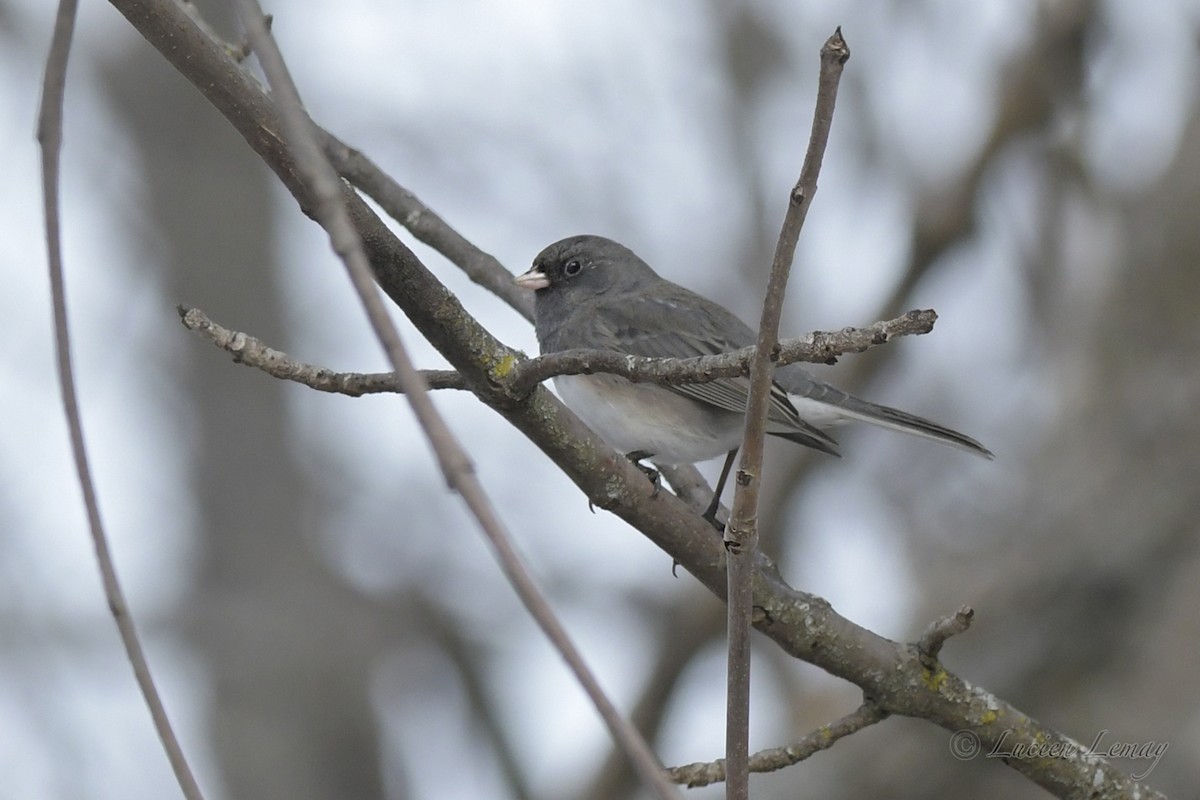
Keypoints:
pixel 802 624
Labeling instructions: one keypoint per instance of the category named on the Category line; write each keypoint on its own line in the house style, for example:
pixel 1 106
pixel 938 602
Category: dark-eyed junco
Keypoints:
pixel 592 292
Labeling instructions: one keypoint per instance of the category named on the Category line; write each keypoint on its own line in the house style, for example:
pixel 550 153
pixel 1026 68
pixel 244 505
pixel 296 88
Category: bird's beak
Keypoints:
pixel 533 279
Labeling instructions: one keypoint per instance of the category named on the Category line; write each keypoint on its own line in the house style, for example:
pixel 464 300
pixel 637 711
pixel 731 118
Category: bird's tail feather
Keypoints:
pixel 828 403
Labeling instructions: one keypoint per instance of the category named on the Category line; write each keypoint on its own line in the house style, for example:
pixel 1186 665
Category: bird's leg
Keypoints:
pixel 650 472
pixel 710 513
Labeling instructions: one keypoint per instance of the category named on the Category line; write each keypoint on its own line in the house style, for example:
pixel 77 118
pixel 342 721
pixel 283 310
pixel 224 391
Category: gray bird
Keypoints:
pixel 595 293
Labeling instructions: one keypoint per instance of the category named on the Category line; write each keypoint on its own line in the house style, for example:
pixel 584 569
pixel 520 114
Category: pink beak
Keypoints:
pixel 533 279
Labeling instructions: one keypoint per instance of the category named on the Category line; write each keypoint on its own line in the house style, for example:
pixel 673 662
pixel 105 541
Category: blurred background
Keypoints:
pixel 325 620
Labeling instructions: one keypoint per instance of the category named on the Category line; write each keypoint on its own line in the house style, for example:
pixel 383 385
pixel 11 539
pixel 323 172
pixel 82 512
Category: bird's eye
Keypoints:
pixel 572 268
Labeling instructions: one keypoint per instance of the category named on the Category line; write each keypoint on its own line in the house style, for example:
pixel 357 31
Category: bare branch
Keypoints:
pixel 929 646
pixel 741 537
pixel 333 213
pixel 820 347
pixel 252 352
pixel 708 772
pixel 49 135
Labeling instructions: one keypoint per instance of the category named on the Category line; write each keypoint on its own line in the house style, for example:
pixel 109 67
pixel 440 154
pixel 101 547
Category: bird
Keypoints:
pixel 592 292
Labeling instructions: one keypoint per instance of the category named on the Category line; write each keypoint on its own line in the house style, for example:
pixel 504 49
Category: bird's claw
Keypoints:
pixel 651 473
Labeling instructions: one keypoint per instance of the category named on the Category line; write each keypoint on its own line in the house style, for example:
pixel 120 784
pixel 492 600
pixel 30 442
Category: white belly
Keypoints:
pixel 643 416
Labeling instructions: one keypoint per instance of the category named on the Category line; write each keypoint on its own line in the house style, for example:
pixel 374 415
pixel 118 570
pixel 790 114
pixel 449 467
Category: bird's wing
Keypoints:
pixel 681 331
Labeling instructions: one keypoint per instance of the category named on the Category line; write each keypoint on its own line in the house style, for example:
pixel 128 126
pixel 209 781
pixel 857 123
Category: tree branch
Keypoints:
pixel 819 347
pixel 526 374
pixel 49 135
pixel 802 624
pixel 252 352
pixel 741 537
pixel 929 646
pixel 708 772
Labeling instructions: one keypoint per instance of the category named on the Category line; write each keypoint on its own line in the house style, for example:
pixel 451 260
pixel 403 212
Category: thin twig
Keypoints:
pixel 333 214
pixel 252 352
pixel 819 347
pixel 742 531
pixel 929 646
pixel 813 348
pixel 49 134
pixel 708 772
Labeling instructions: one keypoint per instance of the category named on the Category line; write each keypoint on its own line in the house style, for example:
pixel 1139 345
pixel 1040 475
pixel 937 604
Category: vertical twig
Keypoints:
pixel 49 135
pixel 331 211
pixel 741 540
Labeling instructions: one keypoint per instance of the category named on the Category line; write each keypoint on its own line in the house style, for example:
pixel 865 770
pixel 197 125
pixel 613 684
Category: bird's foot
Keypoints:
pixel 650 472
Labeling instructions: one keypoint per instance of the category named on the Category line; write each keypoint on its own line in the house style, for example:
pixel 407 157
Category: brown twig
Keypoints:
pixel 708 772
pixel 820 347
pixel 742 531
pixel 525 375
pixel 49 135
pixel 252 352
pixel 333 214
pixel 929 646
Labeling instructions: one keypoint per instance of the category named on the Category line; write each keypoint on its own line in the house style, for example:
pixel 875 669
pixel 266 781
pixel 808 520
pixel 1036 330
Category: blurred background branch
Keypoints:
pixel 50 138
